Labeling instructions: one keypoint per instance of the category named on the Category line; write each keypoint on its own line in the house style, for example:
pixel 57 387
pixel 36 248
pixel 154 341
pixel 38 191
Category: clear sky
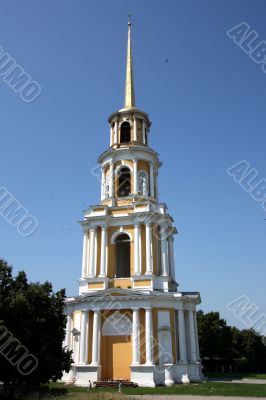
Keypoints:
pixel 207 105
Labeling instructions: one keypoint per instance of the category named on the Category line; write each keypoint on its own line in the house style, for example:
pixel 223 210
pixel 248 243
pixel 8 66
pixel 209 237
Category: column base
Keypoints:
pixel 143 375
pixel 84 374
pixel 166 374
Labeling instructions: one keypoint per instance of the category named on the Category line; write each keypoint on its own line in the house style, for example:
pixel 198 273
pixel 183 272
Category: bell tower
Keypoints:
pixel 129 320
pixel 128 237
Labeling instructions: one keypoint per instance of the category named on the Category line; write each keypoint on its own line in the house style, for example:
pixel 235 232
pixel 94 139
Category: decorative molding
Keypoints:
pixel 118 233
pixel 117 325
pixel 123 165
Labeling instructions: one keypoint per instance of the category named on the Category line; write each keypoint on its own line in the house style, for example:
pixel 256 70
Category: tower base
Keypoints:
pixel 143 375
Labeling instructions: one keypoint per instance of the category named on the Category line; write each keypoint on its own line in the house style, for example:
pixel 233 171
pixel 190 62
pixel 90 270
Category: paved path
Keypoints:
pixel 188 397
pixel 244 380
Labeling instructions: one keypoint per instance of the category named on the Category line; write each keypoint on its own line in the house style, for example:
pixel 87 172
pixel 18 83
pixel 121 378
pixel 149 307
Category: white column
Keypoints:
pixel 136 338
pixel 103 185
pixel 156 184
pixel 116 132
pixel 67 341
pixel 192 337
pixel 182 336
pixel 96 337
pixel 135 130
pixel 171 256
pixel 111 180
pixel 196 335
pixel 149 268
pixel 140 249
pixel 135 176
pixel 143 132
pixel 137 248
pixel 83 349
pixel 85 255
pixel 164 257
pixel 92 260
pixel 111 135
pixel 151 180
pixel 149 336
pixel 103 269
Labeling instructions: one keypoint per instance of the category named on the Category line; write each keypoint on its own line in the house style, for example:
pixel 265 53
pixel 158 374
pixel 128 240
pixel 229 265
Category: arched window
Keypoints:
pixel 125 132
pixel 124 182
pixel 122 244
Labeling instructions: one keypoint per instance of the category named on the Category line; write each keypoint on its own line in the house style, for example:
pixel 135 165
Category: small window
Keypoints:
pixel 125 132
pixel 124 182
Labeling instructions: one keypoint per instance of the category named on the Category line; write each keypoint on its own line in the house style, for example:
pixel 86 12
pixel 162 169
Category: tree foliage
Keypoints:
pixel 225 347
pixel 34 315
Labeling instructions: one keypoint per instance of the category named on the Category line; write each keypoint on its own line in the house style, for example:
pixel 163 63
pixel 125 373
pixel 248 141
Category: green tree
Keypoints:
pixel 215 337
pixel 244 350
pixel 254 350
pixel 33 314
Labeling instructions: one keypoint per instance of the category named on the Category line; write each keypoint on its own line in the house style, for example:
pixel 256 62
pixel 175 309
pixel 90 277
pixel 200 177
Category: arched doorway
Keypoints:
pixel 122 244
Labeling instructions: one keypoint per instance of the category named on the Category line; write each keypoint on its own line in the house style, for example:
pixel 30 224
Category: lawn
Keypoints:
pixel 237 375
pixel 203 389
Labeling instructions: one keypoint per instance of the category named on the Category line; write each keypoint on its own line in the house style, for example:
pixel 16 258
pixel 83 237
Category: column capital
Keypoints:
pixel 93 228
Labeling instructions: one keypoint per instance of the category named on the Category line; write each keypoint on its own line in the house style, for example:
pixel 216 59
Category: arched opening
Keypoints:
pixel 143 183
pixel 122 244
pixel 125 132
pixel 124 182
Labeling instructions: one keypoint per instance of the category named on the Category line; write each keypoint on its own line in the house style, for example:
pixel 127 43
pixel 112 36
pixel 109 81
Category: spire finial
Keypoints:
pixel 129 86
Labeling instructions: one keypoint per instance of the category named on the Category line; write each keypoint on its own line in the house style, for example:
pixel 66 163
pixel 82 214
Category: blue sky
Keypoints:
pixel 207 105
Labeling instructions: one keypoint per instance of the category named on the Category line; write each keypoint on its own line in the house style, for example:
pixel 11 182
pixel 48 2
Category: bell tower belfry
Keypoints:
pixel 128 241
pixel 129 320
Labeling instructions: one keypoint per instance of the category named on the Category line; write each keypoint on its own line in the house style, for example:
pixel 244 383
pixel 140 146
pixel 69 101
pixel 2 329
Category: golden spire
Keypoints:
pixel 129 86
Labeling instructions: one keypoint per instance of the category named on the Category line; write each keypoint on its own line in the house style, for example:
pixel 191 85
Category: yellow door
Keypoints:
pixel 117 357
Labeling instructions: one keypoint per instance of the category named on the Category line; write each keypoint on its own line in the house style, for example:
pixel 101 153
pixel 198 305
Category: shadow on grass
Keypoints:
pixel 228 377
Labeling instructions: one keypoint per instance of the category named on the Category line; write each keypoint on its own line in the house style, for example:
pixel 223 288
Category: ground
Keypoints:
pixel 201 390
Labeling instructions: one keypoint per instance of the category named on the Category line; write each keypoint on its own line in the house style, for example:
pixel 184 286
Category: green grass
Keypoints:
pixel 207 389
pixel 237 375
pixel 203 389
